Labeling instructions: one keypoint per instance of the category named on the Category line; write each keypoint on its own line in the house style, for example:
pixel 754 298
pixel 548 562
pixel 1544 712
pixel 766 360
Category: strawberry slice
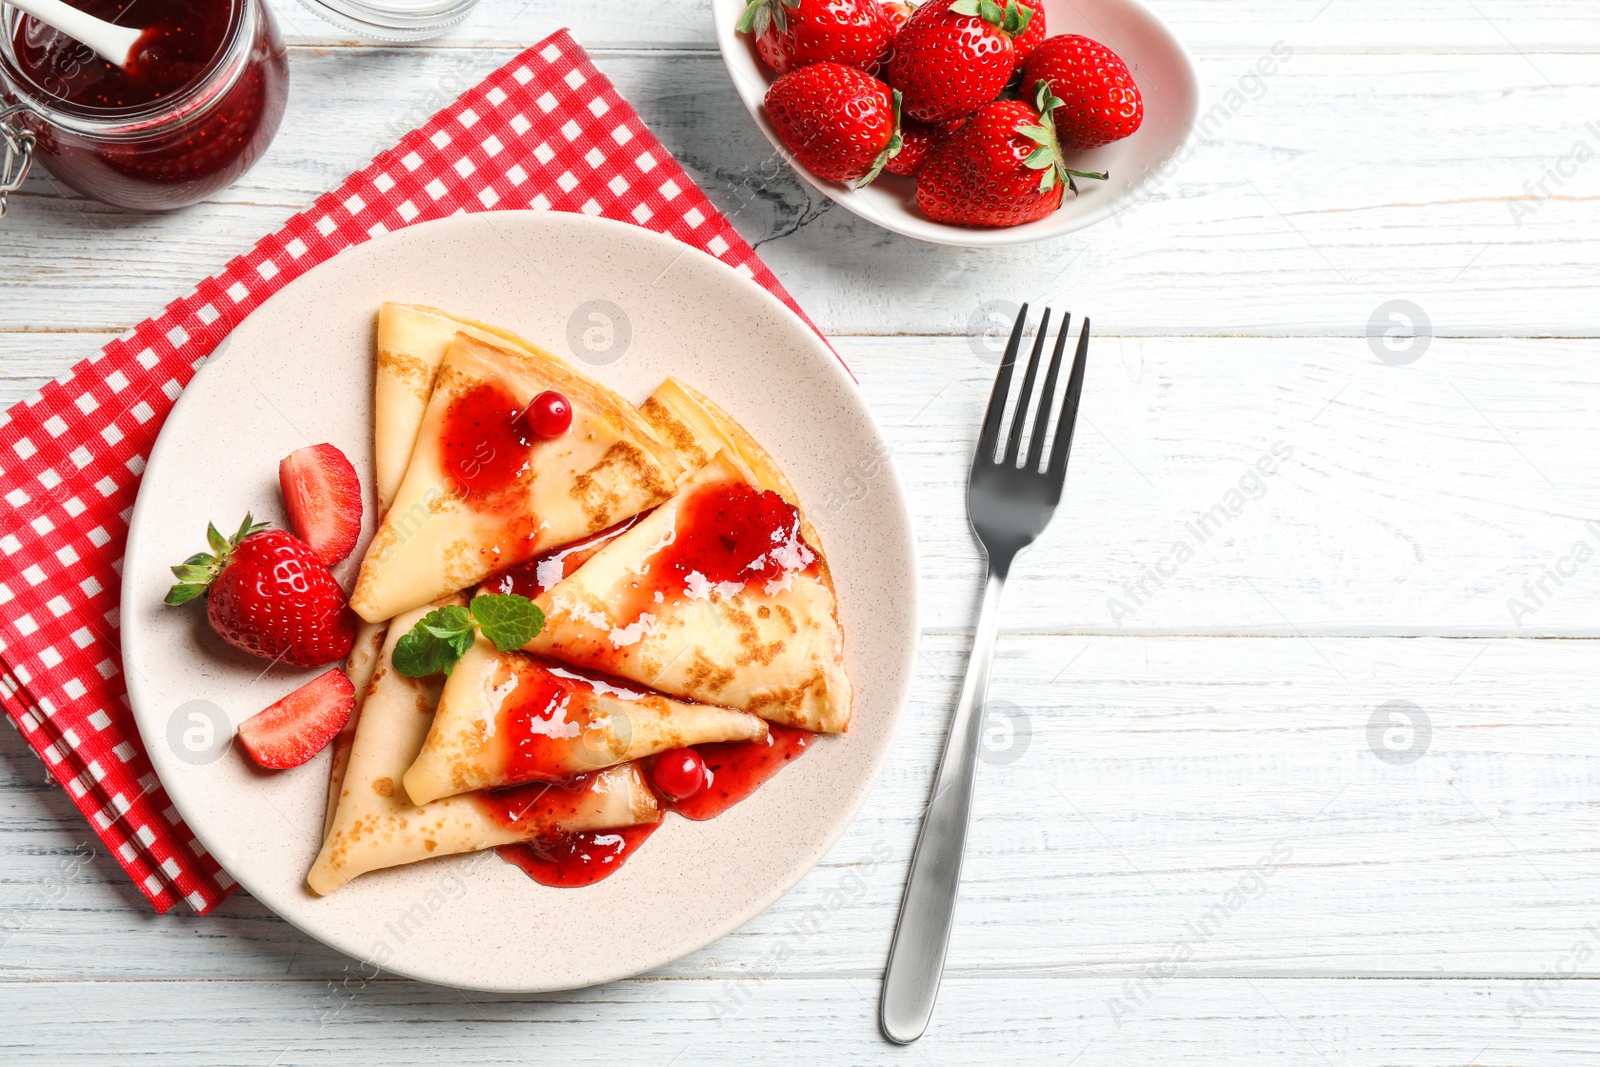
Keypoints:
pixel 300 725
pixel 323 495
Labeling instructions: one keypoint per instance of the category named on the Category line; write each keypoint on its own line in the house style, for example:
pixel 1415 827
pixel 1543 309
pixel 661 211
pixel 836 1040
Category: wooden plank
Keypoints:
pixel 1240 25
pixel 1439 497
pixel 804 1021
pixel 1275 226
pixel 1212 806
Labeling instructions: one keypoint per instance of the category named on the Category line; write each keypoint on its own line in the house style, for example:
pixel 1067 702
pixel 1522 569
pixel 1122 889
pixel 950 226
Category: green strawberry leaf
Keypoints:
pixel 890 150
pixel 509 620
pixel 1040 158
pixel 196 573
pixel 1037 134
pixel 1048 181
pixel 192 573
pixel 1017 18
pixel 183 593
pixel 965 7
pixel 991 12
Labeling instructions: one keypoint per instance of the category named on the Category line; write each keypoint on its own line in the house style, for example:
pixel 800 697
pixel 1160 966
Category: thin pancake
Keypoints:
pixel 641 609
pixel 505 719
pixel 412 342
pixel 480 494
pixel 376 826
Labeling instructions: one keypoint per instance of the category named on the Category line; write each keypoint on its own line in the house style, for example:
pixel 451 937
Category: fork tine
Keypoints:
pixel 989 436
pixel 1069 411
pixel 1020 419
pixel 1047 395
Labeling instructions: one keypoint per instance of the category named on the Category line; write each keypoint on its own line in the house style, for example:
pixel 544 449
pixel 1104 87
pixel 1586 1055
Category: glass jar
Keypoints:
pixel 156 156
pixel 392 20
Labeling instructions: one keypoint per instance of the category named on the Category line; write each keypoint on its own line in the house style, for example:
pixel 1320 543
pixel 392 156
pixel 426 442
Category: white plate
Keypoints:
pixel 1161 66
pixel 299 371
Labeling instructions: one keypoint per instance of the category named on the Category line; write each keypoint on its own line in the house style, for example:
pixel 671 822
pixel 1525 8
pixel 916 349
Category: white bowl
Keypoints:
pixel 1161 66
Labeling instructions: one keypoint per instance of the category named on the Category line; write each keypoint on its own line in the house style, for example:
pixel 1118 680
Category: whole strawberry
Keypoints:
pixel 1101 102
pixel 793 33
pixel 952 58
pixel 897 11
pixel 840 123
pixel 270 595
pixel 916 141
pixel 1002 168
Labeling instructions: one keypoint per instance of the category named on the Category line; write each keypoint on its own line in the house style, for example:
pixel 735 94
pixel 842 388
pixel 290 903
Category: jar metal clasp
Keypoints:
pixel 17 155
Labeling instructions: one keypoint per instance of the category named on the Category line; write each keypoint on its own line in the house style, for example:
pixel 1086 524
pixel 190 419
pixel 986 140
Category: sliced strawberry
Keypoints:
pixel 300 725
pixel 323 496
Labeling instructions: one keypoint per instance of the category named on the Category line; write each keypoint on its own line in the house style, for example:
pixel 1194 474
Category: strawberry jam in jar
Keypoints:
pixel 196 106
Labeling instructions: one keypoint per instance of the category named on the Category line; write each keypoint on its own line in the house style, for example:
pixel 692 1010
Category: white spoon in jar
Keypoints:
pixel 114 43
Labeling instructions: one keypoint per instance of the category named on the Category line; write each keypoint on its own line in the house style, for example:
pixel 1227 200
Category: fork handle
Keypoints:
pixel 927 910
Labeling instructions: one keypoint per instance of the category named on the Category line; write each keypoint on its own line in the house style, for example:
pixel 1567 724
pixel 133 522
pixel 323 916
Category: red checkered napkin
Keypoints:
pixel 547 131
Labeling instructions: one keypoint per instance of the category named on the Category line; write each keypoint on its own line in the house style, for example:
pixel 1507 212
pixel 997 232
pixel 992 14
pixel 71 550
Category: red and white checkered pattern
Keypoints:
pixel 547 131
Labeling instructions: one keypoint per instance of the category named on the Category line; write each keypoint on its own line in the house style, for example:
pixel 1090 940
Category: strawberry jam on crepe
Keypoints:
pixel 505 719
pixel 483 493
pixel 715 596
pixel 375 825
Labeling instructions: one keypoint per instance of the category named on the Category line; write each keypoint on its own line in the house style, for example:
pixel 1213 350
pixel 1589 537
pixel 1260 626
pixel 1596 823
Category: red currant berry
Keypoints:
pixel 549 416
pixel 680 774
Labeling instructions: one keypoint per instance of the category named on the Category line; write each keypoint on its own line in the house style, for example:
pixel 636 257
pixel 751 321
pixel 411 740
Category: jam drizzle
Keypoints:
pixel 735 769
pixel 542 572
pixel 725 537
pixel 546 726
pixel 579 858
pixel 486 443
pixel 536 808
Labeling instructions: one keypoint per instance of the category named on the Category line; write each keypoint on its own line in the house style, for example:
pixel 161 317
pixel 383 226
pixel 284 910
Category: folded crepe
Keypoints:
pixel 481 494
pixel 376 826
pixel 716 596
pixel 358 667
pixel 694 427
pixel 412 341
pixel 505 719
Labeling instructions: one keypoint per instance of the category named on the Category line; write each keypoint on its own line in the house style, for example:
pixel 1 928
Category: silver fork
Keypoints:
pixel 1009 504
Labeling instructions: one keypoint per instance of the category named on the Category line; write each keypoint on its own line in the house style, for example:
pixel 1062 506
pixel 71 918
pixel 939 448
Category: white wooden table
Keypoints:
pixel 1192 851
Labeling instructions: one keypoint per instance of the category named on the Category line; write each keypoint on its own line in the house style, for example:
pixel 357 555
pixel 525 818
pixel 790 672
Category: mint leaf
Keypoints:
pixel 446 623
pixel 510 621
pixel 435 643
pixel 417 655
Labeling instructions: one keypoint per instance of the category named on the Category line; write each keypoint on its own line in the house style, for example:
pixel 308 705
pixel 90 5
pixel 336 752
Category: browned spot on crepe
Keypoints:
pixel 598 489
pixel 410 371
pixel 673 431
pixel 704 675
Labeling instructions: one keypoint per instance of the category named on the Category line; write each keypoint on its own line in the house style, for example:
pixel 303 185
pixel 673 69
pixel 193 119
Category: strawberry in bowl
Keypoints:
pixel 1003 167
pixel 1127 91
pixel 791 34
pixel 838 122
